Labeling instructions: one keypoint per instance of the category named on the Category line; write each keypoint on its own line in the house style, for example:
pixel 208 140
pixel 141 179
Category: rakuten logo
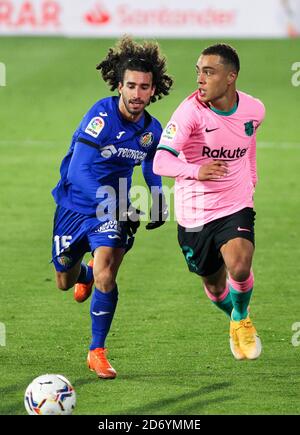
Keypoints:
pixel 223 153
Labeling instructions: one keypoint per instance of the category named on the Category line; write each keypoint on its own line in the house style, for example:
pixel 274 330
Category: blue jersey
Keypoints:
pixel 104 149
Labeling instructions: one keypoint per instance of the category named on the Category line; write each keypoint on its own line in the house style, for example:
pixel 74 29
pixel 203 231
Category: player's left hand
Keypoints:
pixel 159 213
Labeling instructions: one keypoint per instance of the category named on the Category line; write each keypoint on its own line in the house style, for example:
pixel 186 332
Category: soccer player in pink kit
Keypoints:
pixel 209 146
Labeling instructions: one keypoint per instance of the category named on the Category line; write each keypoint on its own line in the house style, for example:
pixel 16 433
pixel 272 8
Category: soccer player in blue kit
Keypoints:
pixel 94 213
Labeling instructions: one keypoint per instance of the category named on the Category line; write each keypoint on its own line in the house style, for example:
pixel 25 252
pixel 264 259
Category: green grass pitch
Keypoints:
pixel 168 343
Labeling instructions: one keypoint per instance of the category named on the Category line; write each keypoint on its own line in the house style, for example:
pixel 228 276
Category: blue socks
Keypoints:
pixel 86 274
pixel 102 311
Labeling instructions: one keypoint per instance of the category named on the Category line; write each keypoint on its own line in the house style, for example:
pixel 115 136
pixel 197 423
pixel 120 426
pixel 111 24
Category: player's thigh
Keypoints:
pixel 235 239
pixel 238 254
pixel 69 245
pixel 199 250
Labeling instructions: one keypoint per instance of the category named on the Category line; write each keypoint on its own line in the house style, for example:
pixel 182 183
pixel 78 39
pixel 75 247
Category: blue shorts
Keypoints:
pixel 75 234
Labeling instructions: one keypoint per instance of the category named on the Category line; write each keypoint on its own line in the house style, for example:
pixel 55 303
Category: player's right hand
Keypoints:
pixel 131 220
pixel 213 170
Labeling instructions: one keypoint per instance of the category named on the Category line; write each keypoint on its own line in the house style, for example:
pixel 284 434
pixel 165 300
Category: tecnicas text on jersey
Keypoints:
pixel 131 154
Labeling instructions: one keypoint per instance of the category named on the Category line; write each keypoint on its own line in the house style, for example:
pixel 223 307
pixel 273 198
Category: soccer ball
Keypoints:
pixel 50 395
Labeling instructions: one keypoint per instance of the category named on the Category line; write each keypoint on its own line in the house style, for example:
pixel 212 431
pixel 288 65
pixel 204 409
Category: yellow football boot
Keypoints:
pixel 244 337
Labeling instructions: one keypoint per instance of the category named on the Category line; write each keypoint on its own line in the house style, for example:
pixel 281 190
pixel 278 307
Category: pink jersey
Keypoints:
pixel 197 135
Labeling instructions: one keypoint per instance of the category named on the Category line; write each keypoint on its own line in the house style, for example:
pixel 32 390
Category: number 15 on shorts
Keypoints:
pixel 62 243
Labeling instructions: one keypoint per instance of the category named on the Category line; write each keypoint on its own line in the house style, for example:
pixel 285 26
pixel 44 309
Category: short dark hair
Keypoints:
pixel 129 55
pixel 226 52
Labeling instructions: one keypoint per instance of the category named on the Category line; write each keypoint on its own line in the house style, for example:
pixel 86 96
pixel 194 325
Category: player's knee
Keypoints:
pixel 63 282
pixel 105 280
pixel 240 271
pixel 215 289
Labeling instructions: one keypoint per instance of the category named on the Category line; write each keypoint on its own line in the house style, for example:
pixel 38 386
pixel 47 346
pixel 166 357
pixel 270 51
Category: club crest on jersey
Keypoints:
pixel 170 131
pixel 64 260
pixel 249 128
pixel 146 139
pixel 95 126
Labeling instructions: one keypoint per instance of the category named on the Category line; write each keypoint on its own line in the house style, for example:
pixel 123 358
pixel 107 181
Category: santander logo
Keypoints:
pixel 97 16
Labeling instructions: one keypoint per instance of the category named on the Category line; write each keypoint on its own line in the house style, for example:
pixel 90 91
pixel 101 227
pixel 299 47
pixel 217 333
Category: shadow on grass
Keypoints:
pixel 195 401
pixel 13 407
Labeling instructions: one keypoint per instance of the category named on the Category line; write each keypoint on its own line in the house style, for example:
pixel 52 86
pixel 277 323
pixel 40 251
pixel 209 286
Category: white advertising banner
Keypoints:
pixel 155 18
pixel 33 17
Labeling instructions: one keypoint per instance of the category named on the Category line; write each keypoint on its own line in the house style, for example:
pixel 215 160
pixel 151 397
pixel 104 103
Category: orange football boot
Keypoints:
pixel 98 363
pixel 83 291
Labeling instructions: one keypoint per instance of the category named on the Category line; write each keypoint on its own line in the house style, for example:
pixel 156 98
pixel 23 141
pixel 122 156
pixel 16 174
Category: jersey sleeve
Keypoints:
pixel 79 172
pixel 174 137
pixel 252 151
pixel 168 165
pixel 150 177
pixel 156 132
pixel 252 160
pixel 178 130
pixel 261 113
pixel 94 127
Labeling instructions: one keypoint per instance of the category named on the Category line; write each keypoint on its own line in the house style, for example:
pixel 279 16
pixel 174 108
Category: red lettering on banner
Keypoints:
pixel 51 12
pixel 26 15
pixel 29 14
pixel 6 10
pixel 179 17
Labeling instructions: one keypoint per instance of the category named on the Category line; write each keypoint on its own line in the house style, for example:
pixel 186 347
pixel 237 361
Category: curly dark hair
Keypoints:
pixel 129 55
